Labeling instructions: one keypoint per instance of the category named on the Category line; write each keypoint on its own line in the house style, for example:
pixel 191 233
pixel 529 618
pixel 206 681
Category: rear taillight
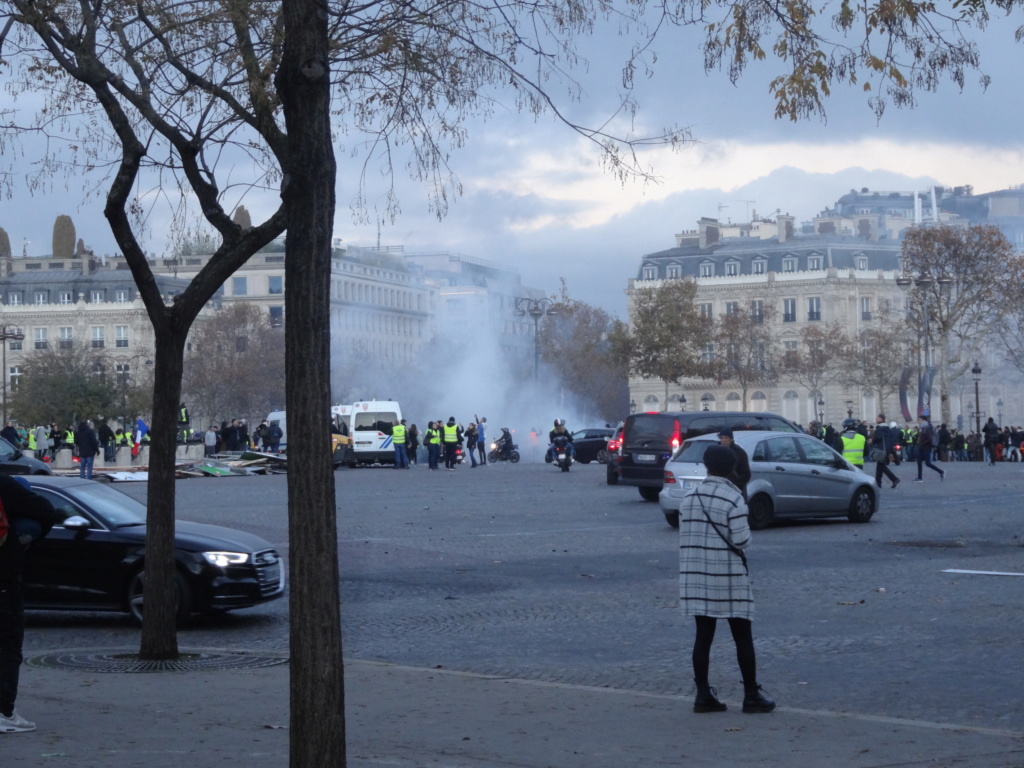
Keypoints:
pixel 675 434
pixel 669 478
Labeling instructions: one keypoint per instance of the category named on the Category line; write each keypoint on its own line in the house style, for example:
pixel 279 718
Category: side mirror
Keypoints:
pixel 76 523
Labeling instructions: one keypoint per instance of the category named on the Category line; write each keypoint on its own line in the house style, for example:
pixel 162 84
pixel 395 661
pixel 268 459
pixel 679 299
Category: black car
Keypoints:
pixel 95 560
pixel 14 461
pixel 591 444
pixel 650 439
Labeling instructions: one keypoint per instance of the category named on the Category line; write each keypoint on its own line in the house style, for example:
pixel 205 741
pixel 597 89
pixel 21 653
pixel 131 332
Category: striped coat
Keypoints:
pixel 712 579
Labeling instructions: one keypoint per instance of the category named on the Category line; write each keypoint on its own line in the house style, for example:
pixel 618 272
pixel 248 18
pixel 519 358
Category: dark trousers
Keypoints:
pixel 433 453
pixel 924 457
pixel 12 635
pixel 472 452
pixel 742 636
pixel 882 467
pixel 449 455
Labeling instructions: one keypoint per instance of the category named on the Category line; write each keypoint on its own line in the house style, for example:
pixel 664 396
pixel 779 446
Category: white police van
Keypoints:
pixel 370 425
pixel 340 414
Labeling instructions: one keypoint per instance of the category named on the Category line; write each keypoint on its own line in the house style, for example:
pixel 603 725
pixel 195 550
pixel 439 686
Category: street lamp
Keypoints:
pixel 924 281
pixel 8 333
pixel 632 406
pixel 849 409
pixel 999 412
pixel 976 372
pixel 821 411
pixel 682 402
pixel 535 308
pixel 705 401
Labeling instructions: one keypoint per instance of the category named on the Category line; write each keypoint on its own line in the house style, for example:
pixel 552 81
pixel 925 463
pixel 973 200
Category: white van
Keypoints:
pixel 341 414
pixel 370 427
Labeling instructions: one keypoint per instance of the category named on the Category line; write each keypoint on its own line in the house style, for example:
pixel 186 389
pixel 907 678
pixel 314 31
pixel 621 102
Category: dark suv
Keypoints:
pixel 649 439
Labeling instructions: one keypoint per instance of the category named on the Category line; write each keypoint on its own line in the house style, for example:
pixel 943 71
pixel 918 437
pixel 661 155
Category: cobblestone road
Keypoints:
pixel 526 572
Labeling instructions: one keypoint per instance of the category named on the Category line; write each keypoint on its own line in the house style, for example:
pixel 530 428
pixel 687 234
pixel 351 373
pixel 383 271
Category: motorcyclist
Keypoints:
pixel 559 430
pixel 503 445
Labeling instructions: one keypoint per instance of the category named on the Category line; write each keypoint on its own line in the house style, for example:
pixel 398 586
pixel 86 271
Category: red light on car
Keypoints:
pixel 675 434
pixel 670 479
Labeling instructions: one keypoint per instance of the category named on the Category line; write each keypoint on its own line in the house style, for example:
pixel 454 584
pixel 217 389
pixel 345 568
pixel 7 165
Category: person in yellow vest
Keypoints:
pixel 398 438
pixel 32 445
pixel 451 435
pixel 432 439
pixel 854 444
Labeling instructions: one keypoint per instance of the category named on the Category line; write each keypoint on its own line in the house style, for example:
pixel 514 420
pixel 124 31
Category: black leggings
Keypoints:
pixel 742 635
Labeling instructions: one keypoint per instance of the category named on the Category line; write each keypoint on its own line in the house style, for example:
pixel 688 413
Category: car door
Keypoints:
pixel 778 461
pixel 78 567
pixel 829 484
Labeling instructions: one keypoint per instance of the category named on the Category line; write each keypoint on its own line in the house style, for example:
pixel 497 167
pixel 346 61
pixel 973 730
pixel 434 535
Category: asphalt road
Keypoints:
pixel 522 571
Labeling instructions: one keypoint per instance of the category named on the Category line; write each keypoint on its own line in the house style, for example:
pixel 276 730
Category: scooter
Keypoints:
pixel 560 451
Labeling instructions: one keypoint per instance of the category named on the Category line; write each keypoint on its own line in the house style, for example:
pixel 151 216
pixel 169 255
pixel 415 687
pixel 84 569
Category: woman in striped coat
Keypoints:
pixel 713 582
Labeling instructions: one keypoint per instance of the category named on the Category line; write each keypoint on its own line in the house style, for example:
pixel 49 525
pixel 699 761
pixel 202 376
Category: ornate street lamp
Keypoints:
pixel 535 308
pixel 849 409
pixel 999 412
pixel 976 372
pixel 682 402
pixel 821 411
pixel 705 401
pixel 632 406
pixel 8 333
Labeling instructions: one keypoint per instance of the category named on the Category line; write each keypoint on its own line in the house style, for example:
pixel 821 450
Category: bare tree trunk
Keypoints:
pixel 317 674
pixel 159 640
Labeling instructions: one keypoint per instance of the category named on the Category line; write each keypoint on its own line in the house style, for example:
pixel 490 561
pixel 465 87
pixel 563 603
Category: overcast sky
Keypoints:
pixel 535 196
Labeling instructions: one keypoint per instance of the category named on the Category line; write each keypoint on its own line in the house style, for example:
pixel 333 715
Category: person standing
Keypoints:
pixel 433 441
pixel 481 439
pixel 471 438
pixel 925 446
pixel 412 442
pixel 398 438
pixel 210 441
pixel 741 471
pixel 10 434
pixel 42 435
pixel 31 517
pixel 883 450
pixel 990 433
pixel 451 435
pixel 713 580
pixel 88 448
pixel 109 443
pixel 854 444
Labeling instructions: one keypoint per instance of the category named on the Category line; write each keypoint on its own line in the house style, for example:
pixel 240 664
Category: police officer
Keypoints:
pixel 451 435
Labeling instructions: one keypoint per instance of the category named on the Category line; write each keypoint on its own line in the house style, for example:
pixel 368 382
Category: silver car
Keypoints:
pixel 792 476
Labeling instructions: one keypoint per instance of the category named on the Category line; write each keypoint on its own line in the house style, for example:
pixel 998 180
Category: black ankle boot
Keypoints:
pixel 707 700
pixel 755 701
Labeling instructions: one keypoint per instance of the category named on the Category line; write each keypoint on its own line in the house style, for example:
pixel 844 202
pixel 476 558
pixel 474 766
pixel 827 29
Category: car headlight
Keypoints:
pixel 224 559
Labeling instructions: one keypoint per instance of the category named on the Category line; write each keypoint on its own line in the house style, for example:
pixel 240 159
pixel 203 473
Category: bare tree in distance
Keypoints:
pixel 820 358
pixel 877 359
pixel 668 335
pixel 747 348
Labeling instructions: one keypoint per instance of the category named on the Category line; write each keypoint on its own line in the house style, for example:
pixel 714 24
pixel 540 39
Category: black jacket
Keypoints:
pixel 20 502
pixel 741 472
pixel 86 440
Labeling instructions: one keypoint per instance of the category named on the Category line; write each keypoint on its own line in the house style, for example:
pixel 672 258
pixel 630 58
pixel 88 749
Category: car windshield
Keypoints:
pixel 693 451
pixel 118 510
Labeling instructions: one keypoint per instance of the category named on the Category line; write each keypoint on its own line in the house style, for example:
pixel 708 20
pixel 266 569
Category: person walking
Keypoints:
pixel 30 517
pixel 88 448
pixel 713 580
pixel 925 446
pixel 741 471
pixel 398 439
pixel 883 450
pixel 109 443
pixel 210 441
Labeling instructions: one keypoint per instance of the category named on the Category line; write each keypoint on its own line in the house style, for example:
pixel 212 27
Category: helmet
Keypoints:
pixel 849 423
pixel 556 422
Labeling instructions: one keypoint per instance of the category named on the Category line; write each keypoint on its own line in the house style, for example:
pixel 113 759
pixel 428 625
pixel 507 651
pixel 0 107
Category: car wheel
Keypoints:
pixel 862 506
pixel 602 456
pixel 136 588
pixel 672 518
pixel 514 457
pixel 611 475
pixel 650 494
pixel 760 513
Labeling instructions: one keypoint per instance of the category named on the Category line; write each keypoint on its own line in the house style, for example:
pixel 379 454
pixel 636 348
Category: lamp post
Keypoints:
pixel 535 308
pixel 976 372
pixel 849 409
pixel 924 281
pixel 682 402
pixel 705 402
pixel 821 411
pixel 632 406
pixel 8 333
pixel 999 412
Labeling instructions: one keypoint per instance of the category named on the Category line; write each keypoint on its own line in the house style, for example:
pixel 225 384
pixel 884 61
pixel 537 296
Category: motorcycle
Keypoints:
pixel 560 453
pixel 503 449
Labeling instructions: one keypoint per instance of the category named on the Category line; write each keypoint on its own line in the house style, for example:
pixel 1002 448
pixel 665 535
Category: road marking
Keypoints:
pixel 982 573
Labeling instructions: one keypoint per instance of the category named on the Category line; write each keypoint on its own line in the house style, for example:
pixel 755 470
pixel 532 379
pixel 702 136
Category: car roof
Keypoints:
pixel 57 481
pixel 749 435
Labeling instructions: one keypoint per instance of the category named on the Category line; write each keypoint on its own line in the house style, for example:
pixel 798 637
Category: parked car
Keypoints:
pixel 649 439
pixel 95 560
pixel 14 461
pixel 792 476
pixel 614 450
pixel 592 444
